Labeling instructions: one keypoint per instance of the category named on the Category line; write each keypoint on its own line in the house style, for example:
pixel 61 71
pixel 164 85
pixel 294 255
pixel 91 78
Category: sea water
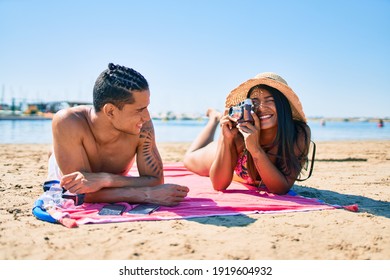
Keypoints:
pixel 39 131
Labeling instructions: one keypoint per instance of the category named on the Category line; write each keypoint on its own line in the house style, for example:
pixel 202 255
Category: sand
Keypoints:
pixel 345 173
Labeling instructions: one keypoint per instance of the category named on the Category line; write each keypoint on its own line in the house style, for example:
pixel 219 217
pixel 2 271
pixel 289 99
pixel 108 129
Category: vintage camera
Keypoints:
pixel 242 111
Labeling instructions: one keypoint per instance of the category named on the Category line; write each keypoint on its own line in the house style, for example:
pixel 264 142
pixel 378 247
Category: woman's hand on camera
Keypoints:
pixel 251 133
pixel 228 126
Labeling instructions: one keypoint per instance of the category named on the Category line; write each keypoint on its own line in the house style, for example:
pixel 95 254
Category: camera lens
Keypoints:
pixel 235 112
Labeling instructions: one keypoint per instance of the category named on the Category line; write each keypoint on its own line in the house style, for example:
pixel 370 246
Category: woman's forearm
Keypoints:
pixel 271 176
pixel 221 171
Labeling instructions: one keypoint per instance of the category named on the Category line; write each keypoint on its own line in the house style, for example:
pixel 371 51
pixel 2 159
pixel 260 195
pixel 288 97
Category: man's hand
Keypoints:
pixel 166 194
pixel 83 182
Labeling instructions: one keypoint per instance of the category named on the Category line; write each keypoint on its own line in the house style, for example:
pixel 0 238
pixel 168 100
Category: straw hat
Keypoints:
pixel 239 94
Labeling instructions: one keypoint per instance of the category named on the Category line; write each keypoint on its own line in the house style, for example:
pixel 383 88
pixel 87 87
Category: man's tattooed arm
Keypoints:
pixel 148 158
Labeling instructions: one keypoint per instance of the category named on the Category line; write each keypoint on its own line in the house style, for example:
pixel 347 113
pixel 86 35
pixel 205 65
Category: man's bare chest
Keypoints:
pixel 112 159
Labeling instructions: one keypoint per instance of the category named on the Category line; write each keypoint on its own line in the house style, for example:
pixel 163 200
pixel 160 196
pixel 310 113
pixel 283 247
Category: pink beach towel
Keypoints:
pixel 202 201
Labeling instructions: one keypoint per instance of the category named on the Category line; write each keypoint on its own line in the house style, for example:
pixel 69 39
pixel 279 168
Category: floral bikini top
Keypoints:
pixel 241 170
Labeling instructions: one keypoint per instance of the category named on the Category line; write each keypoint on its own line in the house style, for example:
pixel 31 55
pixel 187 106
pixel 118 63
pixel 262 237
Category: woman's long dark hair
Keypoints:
pixel 286 137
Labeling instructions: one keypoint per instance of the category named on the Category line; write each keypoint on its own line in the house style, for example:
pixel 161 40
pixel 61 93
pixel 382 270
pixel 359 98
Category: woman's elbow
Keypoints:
pixel 281 192
pixel 280 189
pixel 219 186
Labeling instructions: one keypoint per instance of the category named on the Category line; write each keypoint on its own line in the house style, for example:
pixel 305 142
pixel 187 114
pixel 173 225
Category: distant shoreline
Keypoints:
pixel 21 118
pixel 350 119
pixel 314 119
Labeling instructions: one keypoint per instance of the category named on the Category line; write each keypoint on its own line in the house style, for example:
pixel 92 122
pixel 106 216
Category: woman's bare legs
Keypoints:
pixel 207 134
pixel 200 154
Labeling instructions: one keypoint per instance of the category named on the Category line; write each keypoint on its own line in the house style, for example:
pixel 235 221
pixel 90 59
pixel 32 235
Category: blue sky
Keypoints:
pixel 333 53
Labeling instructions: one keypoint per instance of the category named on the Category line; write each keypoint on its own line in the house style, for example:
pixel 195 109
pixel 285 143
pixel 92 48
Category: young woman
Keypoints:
pixel 267 153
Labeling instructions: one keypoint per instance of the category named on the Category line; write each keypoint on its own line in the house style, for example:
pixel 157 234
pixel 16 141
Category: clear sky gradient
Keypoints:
pixel 335 54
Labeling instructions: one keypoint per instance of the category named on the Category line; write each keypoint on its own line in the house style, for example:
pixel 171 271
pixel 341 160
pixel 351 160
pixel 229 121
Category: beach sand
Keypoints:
pixel 345 173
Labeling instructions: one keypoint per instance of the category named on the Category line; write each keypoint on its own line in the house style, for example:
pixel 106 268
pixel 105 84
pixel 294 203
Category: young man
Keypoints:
pixel 94 148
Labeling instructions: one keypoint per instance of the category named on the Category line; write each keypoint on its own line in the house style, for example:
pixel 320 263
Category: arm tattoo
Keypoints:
pixel 149 150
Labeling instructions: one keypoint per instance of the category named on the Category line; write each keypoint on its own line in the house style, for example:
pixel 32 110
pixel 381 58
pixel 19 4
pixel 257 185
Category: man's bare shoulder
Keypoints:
pixel 74 117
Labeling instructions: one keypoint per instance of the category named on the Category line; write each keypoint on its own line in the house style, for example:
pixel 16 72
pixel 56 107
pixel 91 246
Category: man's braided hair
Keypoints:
pixel 115 85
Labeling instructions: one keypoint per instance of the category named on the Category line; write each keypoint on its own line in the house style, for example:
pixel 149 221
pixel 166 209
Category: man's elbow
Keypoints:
pixel 159 180
pixel 154 180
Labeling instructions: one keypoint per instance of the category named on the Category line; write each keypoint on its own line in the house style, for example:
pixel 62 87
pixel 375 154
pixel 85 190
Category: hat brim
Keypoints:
pixel 239 94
